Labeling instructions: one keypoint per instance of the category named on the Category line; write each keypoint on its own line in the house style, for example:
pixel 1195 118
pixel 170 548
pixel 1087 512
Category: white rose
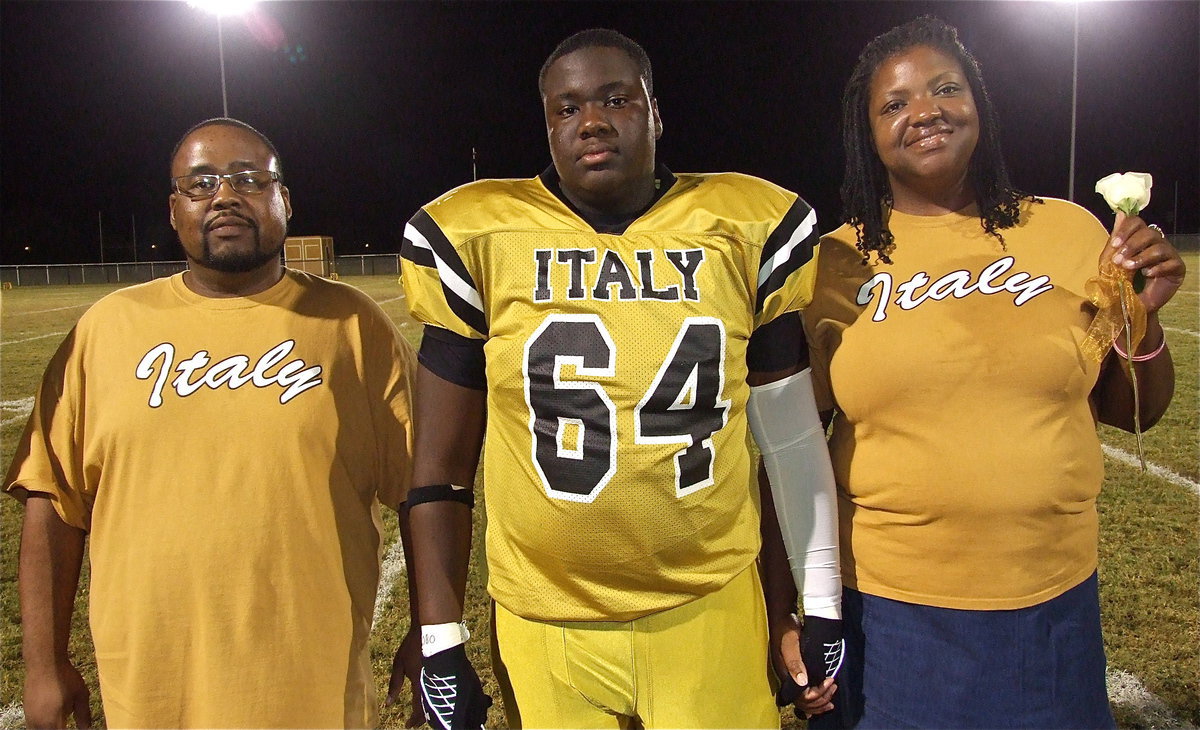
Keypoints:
pixel 1128 192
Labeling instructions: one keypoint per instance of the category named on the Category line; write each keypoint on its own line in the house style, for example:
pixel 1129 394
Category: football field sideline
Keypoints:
pixel 31 339
pixel 1117 454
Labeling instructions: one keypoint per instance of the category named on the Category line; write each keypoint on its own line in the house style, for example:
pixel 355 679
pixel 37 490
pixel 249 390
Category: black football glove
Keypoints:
pixel 451 691
pixel 822 648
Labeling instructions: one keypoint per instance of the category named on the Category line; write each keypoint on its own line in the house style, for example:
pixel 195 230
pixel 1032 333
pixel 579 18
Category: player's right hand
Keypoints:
pixel 53 696
pixel 451 691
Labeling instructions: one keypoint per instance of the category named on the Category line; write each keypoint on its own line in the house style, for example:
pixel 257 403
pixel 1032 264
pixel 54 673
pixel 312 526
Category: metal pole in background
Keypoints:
pixel 1175 213
pixel 221 53
pixel 1074 105
pixel 100 220
pixel 133 227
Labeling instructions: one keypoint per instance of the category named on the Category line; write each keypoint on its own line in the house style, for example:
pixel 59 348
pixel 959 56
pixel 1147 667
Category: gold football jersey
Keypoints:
pixel 616 471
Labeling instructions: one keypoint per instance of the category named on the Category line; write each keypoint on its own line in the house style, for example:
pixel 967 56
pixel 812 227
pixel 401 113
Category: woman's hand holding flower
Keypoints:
pixel 1135 245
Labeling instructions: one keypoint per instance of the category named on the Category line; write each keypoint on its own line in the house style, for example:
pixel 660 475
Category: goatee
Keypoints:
pixel 240 261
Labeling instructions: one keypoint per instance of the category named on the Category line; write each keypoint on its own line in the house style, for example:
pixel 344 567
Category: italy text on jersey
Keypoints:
pixel 233 372
pixel 615 273
pixel 957 284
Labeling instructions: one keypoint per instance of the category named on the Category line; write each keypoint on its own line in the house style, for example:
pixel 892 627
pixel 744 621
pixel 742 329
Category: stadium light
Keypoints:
pixel 222 8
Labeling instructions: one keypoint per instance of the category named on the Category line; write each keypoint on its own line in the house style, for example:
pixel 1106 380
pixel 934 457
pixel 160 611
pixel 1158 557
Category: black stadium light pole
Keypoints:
pixel 221 54
pixel 1074 105
pixel 222 8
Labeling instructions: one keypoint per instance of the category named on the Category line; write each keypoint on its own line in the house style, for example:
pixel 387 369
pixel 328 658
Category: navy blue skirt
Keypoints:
pixel 913 666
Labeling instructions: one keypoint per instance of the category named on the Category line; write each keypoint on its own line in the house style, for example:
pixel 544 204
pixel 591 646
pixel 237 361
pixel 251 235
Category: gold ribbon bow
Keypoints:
pixel 1119 313
pixel 1118 308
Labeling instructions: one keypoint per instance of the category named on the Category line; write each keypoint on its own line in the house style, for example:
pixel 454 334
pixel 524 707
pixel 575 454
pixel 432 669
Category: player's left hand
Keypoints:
pixel 1135 245
pixel 453 695
pixel 406 665
pixel 813 694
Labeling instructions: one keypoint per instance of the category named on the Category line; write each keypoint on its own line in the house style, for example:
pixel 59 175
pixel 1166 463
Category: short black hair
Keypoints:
pixel 604 38
pixel 229 122
pixel 865 187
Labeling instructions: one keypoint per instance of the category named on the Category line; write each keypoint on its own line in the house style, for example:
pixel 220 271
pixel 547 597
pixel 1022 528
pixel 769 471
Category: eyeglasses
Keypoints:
pixel 247 182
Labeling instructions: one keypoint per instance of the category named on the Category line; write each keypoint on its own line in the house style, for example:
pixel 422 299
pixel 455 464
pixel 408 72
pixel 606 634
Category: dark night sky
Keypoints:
pixel 380 111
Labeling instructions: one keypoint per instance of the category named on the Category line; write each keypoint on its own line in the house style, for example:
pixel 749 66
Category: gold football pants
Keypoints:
pixel 700 665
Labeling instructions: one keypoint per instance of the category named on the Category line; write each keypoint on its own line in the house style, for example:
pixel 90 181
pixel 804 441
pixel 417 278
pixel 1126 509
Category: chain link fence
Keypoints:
pixel 366 265
pixel 142 271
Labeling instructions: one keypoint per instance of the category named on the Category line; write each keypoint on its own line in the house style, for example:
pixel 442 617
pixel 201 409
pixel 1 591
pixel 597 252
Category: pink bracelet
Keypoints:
pixel 1142 358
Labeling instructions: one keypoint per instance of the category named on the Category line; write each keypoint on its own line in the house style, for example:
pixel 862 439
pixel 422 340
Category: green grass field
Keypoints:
pixel 1149 571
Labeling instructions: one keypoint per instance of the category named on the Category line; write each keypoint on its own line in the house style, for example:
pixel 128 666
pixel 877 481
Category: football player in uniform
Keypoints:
pixel 610 319
pixel 223 440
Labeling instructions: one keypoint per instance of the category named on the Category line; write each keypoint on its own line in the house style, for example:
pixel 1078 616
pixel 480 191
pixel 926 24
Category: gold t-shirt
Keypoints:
pixel 964 446
pixel 229 458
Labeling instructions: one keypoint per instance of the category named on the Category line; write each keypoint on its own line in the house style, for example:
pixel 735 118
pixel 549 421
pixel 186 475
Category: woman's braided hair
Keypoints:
pixel 865 190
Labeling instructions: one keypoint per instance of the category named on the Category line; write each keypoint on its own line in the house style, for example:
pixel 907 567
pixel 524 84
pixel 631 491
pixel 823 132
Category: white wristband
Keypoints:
pixel 439 637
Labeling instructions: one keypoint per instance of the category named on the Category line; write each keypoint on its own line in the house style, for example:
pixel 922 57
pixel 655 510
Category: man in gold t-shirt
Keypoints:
pixel 224 438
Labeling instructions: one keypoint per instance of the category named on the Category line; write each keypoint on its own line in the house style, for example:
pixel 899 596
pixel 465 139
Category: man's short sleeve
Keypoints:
pixel 49 457
pixel 390 370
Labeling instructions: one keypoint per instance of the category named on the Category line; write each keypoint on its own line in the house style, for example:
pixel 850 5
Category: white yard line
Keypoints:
pixel 1193 333
pixel 31 339
pixel 58 309
pixel 381 302
pixel 1128 691
pixel 1162 472
pixel 22 407
pixel 393 566
pixel 12 717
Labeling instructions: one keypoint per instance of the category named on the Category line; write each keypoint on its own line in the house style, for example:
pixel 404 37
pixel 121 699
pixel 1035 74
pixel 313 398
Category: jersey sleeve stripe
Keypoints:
pixel 422 235
pixel 788 248
pixel 415 248
pixel 788 239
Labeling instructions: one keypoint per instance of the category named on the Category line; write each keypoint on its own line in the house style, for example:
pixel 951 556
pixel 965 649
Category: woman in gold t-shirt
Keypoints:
pixel 949 337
